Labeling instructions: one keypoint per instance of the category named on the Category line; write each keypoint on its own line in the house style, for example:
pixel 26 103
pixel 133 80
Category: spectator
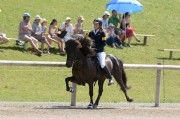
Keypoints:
pixel 126 26
pixel 66 29
pixel 38 33
pixel 105 19
pixel 113 39
pixel 115 20
pixel 78 27
pixel 3 38
pixel 53 31
pixel 25 31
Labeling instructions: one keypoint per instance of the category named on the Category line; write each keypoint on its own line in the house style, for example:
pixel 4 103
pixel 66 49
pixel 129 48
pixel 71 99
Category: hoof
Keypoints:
pixel 95 106
pixel 71 90
pixel 90 106
pixel 130 100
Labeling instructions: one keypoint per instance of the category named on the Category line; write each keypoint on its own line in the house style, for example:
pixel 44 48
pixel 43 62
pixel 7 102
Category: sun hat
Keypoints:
pixel 37 17
pixel 26 15
pixel 68 18
pixel 106 13
pixel 81 18
pixel 43 20
pixel 111 25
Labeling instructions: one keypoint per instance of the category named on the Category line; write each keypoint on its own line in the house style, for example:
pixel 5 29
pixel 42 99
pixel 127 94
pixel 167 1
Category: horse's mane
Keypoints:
pixel 85 41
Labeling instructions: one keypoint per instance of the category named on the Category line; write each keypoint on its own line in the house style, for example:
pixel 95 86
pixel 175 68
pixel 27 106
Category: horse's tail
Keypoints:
pixel 118 64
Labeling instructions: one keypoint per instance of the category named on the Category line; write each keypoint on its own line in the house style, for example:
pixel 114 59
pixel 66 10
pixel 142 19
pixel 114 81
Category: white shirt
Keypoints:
pixel 69 29
pixel 104 23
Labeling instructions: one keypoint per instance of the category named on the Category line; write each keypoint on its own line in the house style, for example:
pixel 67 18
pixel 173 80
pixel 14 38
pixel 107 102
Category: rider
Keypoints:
pixel 98 36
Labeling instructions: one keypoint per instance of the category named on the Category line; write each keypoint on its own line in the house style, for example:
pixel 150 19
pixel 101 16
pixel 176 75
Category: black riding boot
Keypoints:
pixel 108 75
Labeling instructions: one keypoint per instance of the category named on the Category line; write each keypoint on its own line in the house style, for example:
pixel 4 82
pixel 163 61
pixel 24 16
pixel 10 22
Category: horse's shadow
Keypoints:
pixel 71 108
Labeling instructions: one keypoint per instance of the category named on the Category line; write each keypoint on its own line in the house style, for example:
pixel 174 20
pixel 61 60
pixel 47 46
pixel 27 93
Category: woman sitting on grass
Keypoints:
pixel 53 31
pixel 25 31
pixel 3 38
pixel 126 26
pixel 113 40
pixel 38 33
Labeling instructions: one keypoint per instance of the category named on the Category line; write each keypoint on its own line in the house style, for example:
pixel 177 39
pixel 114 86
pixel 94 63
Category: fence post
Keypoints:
pixel 73 95
pixel 158 86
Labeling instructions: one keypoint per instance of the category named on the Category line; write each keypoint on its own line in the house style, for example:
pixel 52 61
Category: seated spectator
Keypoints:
pixel 3 38
pixel 38 33
pixel 53 31
pixel 115 21
pixel 66 29
pixel 25 31
pixel 78 27
pixel 113 40
pixel 126 26
pixel 105 19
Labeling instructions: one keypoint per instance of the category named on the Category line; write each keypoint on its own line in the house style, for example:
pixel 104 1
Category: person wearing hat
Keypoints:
pixel 99 39
pixel 66 29
pixel 105 19
pixel 25 31
pixel 3 38
pixel 126 26
pixel 113 40
pixel 38 33
pixel 78 27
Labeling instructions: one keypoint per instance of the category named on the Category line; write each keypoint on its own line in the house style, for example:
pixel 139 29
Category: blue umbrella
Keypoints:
pixel 123 6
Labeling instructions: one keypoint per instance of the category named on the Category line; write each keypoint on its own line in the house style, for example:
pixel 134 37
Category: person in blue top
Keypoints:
pixel 99 38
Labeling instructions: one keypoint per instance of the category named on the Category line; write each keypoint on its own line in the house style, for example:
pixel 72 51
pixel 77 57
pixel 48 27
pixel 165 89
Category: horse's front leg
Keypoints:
pixel 90 106
pixel 69 89
pixel 100 84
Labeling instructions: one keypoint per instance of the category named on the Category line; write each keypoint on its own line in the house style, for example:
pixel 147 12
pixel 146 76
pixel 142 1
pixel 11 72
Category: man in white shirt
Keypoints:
pixel 66 29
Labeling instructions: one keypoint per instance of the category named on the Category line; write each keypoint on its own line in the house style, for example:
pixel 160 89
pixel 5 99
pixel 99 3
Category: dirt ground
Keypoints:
pixel 49 110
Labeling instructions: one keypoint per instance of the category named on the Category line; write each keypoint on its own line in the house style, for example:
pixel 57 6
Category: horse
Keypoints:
pixel 86 69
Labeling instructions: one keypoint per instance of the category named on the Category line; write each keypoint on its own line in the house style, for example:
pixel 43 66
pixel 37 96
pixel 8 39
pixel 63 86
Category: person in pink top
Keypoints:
pixel 25 30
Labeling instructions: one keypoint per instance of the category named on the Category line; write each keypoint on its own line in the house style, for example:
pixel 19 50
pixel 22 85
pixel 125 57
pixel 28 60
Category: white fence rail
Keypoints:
pixel 159 69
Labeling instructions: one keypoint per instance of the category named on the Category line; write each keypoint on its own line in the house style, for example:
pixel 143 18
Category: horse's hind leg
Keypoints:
pixel 70 89
pixel 100 84
pixel 118 78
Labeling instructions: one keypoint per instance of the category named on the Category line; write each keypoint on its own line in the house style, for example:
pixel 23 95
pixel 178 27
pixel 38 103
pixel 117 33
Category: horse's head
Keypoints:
pixel 73 49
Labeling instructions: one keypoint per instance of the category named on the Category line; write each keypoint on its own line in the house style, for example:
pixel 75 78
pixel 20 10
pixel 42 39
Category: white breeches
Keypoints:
pixel 102 59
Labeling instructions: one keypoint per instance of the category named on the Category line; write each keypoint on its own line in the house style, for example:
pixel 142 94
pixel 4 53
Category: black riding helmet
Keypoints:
pixel 98 21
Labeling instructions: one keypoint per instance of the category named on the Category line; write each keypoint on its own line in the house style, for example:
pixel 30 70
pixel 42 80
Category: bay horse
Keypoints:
pixel 85 69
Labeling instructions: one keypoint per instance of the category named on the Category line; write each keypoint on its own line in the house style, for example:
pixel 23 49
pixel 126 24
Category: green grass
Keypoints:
pixel 160 18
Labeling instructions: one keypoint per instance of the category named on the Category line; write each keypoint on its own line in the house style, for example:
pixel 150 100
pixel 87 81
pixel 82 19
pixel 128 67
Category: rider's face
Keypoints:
pixel 96 25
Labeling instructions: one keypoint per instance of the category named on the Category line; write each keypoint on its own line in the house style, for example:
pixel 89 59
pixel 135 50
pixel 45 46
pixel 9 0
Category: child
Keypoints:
pixel 113 39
